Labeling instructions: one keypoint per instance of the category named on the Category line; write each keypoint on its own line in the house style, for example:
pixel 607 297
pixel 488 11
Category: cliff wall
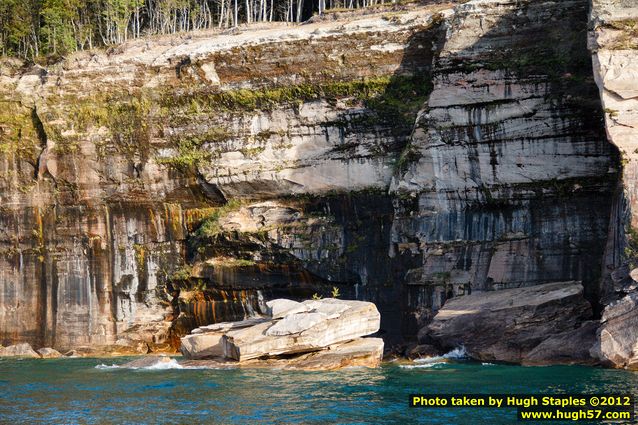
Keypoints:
pixel 403 157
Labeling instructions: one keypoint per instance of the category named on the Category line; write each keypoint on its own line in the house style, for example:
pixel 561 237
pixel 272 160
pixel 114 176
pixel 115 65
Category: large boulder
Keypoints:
pixel 19 350
pixel 49 353
pixel 358 320
pixel 617 343
pixel 507 325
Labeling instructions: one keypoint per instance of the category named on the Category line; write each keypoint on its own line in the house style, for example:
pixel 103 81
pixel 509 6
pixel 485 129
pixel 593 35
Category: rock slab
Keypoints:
pixel 507 325
pixel 360 319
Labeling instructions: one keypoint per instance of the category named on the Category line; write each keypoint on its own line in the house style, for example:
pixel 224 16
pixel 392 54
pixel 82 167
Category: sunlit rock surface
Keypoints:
pixel 331 330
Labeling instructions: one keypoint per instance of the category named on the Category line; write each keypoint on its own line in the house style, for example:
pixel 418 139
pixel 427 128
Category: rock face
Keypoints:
pixel 405 159
pixel 617 343
pixel 511 325
pixel 330 330
pixel 614 47
pixel 19 350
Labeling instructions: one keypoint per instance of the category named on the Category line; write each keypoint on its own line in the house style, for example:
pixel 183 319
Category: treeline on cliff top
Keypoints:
pixel 33 29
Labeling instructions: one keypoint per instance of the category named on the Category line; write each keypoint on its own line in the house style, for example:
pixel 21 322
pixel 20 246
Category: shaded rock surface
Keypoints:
pixel 509 325
pixel 569 347
pixel 19 350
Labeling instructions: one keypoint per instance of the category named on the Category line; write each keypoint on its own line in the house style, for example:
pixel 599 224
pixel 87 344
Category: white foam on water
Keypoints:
pixel 456 354
pixel 422 366
pixel 172 364
pixel 104 366
pixel 488 364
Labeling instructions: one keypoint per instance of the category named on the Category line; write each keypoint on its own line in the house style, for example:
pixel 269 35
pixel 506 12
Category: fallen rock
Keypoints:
pixel 569 347
pixel 19 350
pixel 49 353
pixel 507 325
pixel 282 307
pixel 617 341
pixel 360 319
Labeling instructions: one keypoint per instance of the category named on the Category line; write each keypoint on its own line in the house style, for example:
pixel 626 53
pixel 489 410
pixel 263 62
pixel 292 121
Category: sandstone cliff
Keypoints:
pixel 404 157
pixel 614 45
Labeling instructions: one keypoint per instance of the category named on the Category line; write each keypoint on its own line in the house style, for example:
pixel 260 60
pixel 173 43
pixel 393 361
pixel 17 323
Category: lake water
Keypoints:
pixel 90 391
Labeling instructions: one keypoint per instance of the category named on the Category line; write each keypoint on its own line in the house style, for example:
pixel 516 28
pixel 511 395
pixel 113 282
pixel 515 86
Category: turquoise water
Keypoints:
pixel 74 391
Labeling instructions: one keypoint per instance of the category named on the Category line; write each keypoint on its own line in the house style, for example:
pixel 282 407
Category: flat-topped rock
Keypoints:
pixel 314 334
pixel 358 320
